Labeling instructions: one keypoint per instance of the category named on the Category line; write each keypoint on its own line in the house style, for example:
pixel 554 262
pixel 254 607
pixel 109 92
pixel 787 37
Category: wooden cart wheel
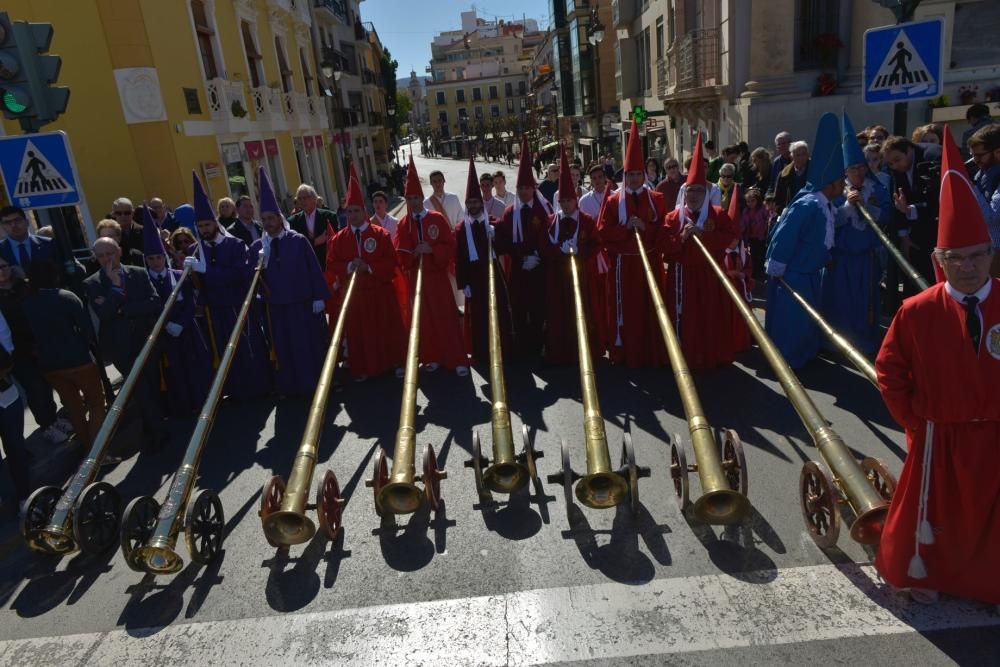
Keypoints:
pixel 734 462
pixel 330 505
pixel 97 514
pixel 530 455
pixel 36 514
pixel 883 481
pixel 270 502
pixel 138 523
pixel 679 473
pixel 380 477
pixel 476 463
pixel 820 501
pixel 631 470
pixel 204 526
pixel 432 478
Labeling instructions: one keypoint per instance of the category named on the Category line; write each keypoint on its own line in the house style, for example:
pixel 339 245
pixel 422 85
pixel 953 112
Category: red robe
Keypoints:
pixel 526 289
pixel 929 373
pixel 631 322
pixel 374 330
pixel 475 276
pixel 738 266
pixel 703 314
pixel 560 310
pixel 440 329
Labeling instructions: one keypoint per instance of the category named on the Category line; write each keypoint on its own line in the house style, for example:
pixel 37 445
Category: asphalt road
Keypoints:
pixel 720 596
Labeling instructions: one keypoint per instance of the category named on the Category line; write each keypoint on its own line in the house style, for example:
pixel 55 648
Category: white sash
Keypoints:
pixel 622 211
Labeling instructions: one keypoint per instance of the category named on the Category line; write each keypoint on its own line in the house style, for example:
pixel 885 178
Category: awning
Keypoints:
pixel 586 141
pixel 550 145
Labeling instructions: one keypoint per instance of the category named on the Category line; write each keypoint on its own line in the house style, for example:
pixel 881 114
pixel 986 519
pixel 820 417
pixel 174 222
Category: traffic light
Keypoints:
pixel 27 74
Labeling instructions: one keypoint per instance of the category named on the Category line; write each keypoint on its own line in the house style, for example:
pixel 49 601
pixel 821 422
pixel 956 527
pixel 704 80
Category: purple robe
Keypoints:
pixel 224 287
pixel 292 281
pixel 185 362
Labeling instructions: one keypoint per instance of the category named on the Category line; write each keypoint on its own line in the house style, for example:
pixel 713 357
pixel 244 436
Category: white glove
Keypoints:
pixel 195 264
pixel 530 262
pixel 318 306
pixel 265 249
pixel 775 269
pixel 568 247
pixel 173 328
pixel 468 292
pixel 491 231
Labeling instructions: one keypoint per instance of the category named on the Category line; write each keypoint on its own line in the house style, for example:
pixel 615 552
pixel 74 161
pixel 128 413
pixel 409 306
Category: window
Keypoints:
pixel 350 58
pixel 494 111
pixel 493 93
pixel 460 95
pixel 463 113
pixel 443 117
pixel 522 87
pixel 815 19
pixel 671 27
pixel 508 89
pixel 283 69
pixel 440 97
pixel 254 59
pixel 645 70
pixel 659 38
pixel 206 36
pixel 479 113
pixel 477 94
pixel 306 75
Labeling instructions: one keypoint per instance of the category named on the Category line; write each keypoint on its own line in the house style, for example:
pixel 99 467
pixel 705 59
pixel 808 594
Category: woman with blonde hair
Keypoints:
pixel 226 210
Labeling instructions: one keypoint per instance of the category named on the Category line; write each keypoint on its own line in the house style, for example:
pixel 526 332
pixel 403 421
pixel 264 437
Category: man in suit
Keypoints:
pixel 312 221
pixel 246 228
pixel 21 247
pixel 126 305
pixel 123 212
pixel 161 215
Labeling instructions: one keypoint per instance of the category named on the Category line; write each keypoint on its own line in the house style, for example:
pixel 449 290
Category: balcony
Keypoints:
pixel 622 13
pixel 336 7
pixel 698 59
pixel 300 107
pixel 227 106
pixel 369 77
pixel 343 118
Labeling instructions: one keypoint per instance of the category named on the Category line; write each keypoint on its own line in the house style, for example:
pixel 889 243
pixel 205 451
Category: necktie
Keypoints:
pixel 22 254
pixel 275 248
pixel 420 228
pixel 972 324
pixel 357 238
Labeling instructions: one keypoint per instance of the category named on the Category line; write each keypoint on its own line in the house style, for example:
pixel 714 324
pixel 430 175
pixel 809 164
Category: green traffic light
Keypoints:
pixel 11 104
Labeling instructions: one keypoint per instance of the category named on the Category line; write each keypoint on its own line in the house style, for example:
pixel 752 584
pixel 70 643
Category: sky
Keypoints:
pixel 407 27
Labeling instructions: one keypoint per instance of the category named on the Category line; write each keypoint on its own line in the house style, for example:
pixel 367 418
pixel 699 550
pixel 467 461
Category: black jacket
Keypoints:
pixel 324 217
pixel 126 317
pixel 239 231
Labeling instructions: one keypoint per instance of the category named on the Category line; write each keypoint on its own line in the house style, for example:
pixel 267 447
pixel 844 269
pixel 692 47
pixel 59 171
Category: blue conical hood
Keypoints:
pixel 853 155
pixel 826 164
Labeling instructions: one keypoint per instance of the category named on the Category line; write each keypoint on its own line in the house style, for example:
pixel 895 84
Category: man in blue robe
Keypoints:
pixel 851 283
pixel 224 287
pixel 800 247
pixel 183 357
pixel 294 293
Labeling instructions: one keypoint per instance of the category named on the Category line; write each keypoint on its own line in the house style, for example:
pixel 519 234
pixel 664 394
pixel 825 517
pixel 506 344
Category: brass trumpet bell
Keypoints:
pixel 159 559
pixel 867 528
pixel 400 498
pixel 721 507
pixel 506 477
pixel 602 490
pixel 288 527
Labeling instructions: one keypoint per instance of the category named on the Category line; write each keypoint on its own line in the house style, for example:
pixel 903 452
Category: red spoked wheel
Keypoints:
pixel 270 502
pixel 330 505
pixel 820 501
pixel 432 478
pixel 883 481
pixel 380 477
pixel 679 473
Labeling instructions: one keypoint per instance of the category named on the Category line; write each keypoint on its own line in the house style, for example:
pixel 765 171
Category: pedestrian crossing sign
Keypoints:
pixel 38 170
pixel 904 62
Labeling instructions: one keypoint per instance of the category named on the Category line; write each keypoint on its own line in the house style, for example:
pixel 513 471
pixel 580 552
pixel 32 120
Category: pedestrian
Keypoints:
pixel 428 234
pixel 738 266
pixel 754 225
pixel 64 335
pixel 851 280
pixel 630 319
pixel 927 134
pixel 21 247
pixel 381 216
pixel 759 174
pixel 312 221
pixel 224 288
pixel 985 148
pixel 550 184
pixel 500 185
pixel 570 232
pixel 245 227
pixel 914 169
pixel 698 303
pixel 472 259
pixel 715 161
pixel 978 117
pixel 15 458
pixel 519 237
pixel 876 170
pixel 727 184
pixel 110 229
pixel 671 183
pixel 938 370
pixel 126 306
pixel 445 203
pixel 493 207
pixel 374 331
pixel 294 295
pixel 164 219
pixel 800 246
pixel 123 212
pixel 782 158
pixel 182 244
pixel 793 177
pixel 653 173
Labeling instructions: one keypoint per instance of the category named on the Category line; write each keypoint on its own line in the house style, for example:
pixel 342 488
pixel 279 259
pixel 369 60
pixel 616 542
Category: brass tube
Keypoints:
pixel 57 535
pixel 897 255
pixel 290 525
pixel 859 492
pixel 718 503
pixel 853 355
pixel 158 556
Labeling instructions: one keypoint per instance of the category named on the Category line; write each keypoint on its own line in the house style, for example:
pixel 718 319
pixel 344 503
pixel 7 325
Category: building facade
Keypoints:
pixel 418 103
pixel 159 89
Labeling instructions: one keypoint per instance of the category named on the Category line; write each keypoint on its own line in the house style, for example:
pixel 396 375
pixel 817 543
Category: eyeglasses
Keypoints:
pixel 956 261
pixel 117 213
pixel 672 166
pixel 980 156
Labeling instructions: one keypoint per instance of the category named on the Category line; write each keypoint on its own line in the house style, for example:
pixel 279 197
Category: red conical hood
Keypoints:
pixel 525 173
pixel 696 172
pixel 472 189
pixel 633 153
pixel 413 187
pixel 960 221
pixel 734 204
pixel 567 187
pixel 354 196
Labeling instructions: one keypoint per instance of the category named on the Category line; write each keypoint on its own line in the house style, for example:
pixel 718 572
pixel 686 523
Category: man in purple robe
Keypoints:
pixel 224 287
pixel 294 293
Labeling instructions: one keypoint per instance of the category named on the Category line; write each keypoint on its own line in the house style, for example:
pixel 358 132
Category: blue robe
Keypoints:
pixel 292 281
pixel 224 286
pixel 851 286
pixel 798 242
pixel 185 362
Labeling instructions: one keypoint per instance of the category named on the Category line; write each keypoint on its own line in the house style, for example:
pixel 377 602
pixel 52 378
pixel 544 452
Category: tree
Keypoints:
pixel 388 67
pixel 403 107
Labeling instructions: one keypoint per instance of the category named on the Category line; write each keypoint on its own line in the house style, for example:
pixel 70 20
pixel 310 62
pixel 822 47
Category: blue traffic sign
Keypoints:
pixel 904 62
pixel 38 170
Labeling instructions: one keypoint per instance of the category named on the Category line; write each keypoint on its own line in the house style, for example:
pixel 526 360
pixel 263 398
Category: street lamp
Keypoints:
pixel 596 36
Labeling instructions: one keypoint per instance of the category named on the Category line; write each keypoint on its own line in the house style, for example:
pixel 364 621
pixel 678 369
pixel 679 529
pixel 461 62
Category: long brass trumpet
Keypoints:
pixel 852 353
pixel 149 532
pixel 283 509
pixel 508 471
pixel 395 492
pixel 723 482
pixel 866 488
pixel 906 267
pixel 602 487
pixel 85 514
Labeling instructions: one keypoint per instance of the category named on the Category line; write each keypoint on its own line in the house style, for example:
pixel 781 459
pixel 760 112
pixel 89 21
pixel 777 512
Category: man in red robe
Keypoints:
pixel 738 265
pixel 472 271
pixel 631 320
pixel 519 236
pixel 373 330
pixel 938 369
pixel 427 234
pixel 698 303
pixel 570 232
